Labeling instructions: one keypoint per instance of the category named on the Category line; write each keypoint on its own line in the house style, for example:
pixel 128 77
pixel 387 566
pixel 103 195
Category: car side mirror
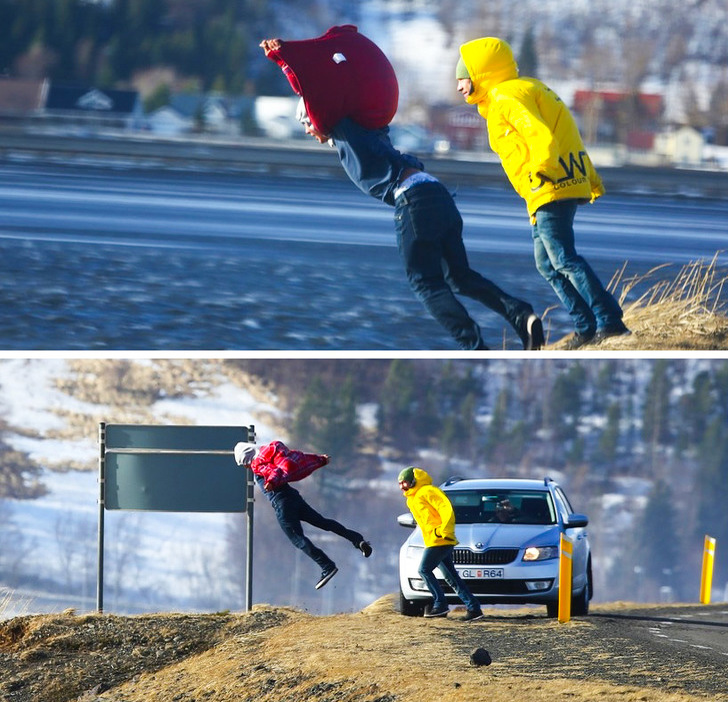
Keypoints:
pixel 576 521
pixel 406 520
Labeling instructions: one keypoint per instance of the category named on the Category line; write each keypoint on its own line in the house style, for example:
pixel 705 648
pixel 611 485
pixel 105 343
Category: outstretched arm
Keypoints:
pixel 271 47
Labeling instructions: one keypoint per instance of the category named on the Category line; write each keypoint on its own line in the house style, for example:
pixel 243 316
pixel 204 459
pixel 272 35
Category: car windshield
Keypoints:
pixel 502 506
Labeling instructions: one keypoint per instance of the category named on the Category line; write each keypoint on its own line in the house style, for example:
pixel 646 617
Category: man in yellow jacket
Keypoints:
pixel 543 155
pixel 436 518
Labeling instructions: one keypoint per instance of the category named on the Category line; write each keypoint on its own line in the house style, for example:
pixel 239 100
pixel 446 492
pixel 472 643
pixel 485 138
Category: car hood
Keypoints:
pixel 479 537
pixel 482 536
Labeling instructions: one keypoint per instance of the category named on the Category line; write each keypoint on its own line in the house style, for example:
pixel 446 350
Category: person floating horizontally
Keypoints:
pixel 543 155
pixel 436 518
pixel 349 95
pixel 274 466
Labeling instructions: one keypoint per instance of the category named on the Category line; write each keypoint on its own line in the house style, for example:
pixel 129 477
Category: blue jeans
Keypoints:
pixel 441 556
pixel 429 237
pixel 589 304
pixel 291 509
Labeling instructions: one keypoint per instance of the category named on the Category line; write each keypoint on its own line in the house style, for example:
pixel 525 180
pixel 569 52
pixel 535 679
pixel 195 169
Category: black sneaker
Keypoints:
pixel 366 548
pixel 326 576
pixel 603 334
pixel 577 341
pixel 473 615
pixel 531 333
pixel 430 612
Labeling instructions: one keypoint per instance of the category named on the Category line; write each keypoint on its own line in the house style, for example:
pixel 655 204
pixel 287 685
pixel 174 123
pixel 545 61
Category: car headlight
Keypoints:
pixel 541 553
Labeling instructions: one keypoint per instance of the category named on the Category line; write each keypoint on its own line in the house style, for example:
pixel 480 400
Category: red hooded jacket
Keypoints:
pixel 277 464
pixel 341 74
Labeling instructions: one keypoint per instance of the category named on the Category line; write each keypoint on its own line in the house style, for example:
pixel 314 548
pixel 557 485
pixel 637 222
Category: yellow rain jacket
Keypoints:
pixel 432 511
pixel 530 129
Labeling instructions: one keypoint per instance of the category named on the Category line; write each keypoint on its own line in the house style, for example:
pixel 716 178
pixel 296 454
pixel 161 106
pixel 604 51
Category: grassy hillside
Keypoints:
pixel 376 655
pixel 685 313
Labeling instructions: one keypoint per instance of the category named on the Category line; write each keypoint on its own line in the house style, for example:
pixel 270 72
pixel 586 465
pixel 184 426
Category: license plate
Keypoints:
pixel 481 573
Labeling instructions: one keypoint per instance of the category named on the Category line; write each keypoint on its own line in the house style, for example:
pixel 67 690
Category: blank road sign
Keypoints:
pixel 171 482
pixel 178 438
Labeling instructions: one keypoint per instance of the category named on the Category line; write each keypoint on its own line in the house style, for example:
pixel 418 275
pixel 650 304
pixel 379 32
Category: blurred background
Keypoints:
pixel 639 445
pixel 647 79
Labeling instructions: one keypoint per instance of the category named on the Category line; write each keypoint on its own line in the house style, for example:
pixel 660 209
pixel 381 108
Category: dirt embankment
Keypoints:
pixel 285 655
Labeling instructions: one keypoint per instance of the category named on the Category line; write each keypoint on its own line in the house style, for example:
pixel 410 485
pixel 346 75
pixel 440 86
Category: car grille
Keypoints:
pixel 493 556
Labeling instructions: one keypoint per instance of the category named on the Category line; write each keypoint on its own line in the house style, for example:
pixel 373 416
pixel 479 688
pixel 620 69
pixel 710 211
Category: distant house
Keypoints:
pixel 461 125
pixel 188 112
pixel 167 121
pixel 682 146
pixel 276 117
pixel 92 107
pixel 610 116
pixel 20 98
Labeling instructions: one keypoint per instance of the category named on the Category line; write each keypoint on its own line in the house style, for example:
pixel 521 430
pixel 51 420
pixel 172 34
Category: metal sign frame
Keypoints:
pixel 163 468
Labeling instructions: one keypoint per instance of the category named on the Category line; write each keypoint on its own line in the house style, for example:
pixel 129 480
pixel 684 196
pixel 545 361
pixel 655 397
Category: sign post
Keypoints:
pixel 706 578
pixel 565 575
pixel 174 469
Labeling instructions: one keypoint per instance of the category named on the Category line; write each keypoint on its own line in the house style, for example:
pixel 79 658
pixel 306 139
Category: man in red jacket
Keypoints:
pixel 274 466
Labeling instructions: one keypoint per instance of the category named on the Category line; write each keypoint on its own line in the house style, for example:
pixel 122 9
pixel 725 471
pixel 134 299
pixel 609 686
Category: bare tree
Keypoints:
pixel 15 547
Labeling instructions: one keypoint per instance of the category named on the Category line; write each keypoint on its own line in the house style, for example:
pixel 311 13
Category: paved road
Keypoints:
pixel 691 631
pixel 126 259
pixel 676 648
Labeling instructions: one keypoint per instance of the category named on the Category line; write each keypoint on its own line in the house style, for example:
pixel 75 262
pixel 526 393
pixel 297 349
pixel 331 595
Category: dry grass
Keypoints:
pixel 685 313
pixel 376 655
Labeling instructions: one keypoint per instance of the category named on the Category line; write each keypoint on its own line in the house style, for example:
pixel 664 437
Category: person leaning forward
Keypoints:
pixel 436 519
pixel 543 155
pixel 349 95
pixel 274 466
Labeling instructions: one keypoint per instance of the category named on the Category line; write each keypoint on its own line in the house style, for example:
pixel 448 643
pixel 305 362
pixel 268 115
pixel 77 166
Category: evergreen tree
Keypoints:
pixel 656 411
pixel 564 406
pixel 712 491
pixel 609 439
pixel 697 408
pixel 498 421
pixel 326 421
pixel 398 403
pixel 658 543
pixel 528 58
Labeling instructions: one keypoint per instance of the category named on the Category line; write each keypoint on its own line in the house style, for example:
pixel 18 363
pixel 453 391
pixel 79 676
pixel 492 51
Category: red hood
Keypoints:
pixel 362 87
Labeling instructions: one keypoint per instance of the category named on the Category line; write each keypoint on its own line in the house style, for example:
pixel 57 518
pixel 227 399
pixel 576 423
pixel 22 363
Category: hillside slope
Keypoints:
pixel 686 313
pixel 376 655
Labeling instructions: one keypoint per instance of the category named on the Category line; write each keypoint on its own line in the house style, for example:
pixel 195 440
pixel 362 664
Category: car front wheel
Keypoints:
pixel 411 608
pixel 580 603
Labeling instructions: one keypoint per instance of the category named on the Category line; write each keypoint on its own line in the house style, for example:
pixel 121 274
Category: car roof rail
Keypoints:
pixel 453 480
pixel 547 480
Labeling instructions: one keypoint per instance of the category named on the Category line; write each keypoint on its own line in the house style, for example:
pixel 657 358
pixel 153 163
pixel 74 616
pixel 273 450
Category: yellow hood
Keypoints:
pixel 489 61
pixel 421 478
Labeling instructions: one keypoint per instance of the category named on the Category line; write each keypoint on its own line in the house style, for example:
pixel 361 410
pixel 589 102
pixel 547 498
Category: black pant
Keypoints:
pixel 429 236
pixel 291 509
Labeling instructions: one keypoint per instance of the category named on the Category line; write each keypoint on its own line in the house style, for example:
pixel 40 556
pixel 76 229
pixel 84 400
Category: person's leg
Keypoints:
pixel 585 324
pixel 431 559
pixel 309 515
pixel 287 509
pixel 419 221
pixel 463 280
pixel 555 228
pixel 458 585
